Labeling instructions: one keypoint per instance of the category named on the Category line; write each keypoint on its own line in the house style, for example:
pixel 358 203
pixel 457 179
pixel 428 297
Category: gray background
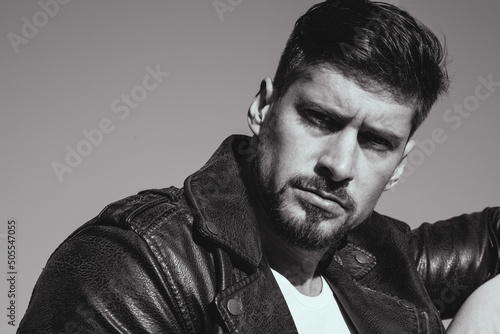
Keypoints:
pixel 65 78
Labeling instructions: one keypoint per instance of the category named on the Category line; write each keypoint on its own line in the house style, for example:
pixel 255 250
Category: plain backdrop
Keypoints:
pixel 69 75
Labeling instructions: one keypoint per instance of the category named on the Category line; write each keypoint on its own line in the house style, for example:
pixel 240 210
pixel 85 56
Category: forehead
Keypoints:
pixel 331 91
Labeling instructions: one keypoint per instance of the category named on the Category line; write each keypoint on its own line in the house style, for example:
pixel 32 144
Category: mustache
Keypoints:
pixel 332 188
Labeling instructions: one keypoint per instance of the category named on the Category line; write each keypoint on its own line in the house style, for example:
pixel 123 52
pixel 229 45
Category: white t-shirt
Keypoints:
pixel 314 315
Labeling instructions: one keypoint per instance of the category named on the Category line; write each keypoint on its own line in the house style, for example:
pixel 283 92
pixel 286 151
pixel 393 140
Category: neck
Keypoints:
pixel 297 265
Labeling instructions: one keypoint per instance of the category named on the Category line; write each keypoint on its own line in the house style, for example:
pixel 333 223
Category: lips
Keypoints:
pixel 323 199
pixel 329 197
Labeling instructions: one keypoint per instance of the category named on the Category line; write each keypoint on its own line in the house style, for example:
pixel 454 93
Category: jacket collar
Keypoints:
pixel 221 203
pixel 223 213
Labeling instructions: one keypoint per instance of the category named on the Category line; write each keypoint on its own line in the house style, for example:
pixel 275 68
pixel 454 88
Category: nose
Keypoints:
pixel 338 157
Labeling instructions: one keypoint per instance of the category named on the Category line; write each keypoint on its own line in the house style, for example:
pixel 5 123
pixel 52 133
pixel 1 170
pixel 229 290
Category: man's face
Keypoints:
pixel 326 152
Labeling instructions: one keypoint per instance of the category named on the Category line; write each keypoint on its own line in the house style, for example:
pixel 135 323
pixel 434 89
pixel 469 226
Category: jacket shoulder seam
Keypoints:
pixel 124 213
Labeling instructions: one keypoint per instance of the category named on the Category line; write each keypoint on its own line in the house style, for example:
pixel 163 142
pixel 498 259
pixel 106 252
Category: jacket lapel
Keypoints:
pixel 256 305
pixel 222 210
pixel 253 302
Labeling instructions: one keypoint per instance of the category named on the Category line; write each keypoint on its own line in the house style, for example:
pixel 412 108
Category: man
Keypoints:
pixel 277 233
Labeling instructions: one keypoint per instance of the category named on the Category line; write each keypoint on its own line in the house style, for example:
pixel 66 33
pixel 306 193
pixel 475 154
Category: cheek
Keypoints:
pixel 274 162
pixel 284 142
pixel 372 181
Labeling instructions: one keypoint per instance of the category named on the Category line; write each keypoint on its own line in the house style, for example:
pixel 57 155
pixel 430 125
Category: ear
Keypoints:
pixel 260 106
pixel 400 168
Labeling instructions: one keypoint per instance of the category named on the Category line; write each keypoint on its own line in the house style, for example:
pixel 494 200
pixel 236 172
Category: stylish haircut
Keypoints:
pixel 378 45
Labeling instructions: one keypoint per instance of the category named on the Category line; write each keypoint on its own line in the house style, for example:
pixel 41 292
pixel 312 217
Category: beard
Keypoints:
pixel 303 232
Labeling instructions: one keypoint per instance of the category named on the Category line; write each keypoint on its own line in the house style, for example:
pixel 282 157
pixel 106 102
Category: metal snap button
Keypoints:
pixel 234 306
pixel 405 303
pixel 212 228
pixel 362 258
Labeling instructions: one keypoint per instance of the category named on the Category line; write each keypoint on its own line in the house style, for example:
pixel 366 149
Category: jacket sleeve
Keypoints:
pixel 457 255
pixel 102 279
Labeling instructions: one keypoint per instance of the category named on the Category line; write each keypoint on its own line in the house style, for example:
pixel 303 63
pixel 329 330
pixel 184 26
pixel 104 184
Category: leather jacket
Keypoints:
pixel 190 261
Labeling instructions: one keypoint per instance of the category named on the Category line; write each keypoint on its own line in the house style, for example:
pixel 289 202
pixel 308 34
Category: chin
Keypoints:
pixel 314 229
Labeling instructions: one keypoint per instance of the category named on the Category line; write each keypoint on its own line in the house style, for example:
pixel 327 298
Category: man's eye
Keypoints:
pixel 315 116
pixel 318 119
pixel 376 142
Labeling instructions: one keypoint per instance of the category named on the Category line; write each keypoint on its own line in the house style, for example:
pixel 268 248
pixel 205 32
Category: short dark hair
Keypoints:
pixel 378 45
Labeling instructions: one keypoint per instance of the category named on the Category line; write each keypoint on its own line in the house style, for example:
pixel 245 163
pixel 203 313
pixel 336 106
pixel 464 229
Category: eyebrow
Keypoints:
pixel 389 135
pixel 343 120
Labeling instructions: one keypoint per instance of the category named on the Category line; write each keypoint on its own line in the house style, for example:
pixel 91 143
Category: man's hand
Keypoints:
pixel 481 311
